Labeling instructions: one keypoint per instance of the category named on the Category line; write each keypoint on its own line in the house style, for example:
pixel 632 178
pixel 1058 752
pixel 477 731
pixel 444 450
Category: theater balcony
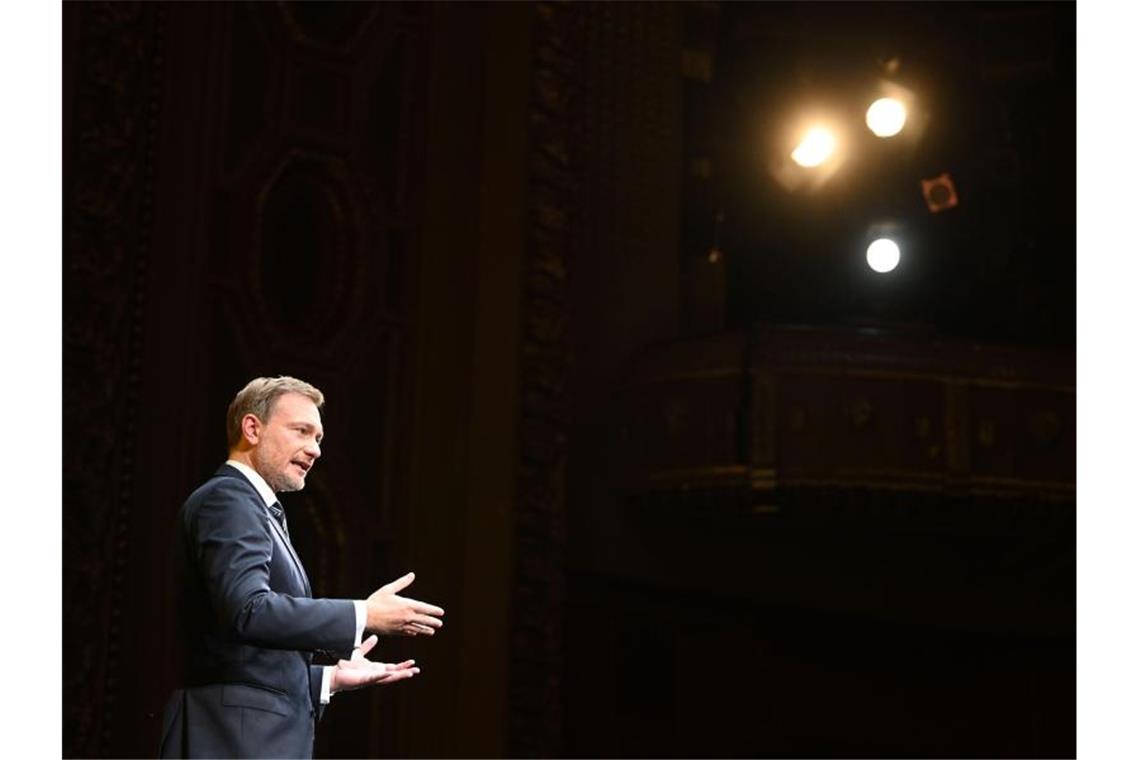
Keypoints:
pixel 768 421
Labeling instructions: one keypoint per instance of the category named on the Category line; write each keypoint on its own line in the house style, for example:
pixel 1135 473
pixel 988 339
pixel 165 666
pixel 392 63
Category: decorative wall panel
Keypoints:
pixel 248 129
pixel 535 692
pixel 107 218
pixel 848 410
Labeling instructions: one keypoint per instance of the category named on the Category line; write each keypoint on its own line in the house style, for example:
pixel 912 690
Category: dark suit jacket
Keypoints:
pixel 249 626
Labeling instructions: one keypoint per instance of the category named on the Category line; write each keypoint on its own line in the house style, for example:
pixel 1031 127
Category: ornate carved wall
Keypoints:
pixel 313 255
pixel 108 210
pixel 322 189
pixel 535 696
pixel 600 282
pixel 241 198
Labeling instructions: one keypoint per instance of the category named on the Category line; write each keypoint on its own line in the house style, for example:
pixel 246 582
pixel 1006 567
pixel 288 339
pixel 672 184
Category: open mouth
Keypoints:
pixel 303 466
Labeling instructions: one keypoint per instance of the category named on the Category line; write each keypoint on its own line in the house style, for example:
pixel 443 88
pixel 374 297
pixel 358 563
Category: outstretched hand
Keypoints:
pixel 391 614
pixel 359 671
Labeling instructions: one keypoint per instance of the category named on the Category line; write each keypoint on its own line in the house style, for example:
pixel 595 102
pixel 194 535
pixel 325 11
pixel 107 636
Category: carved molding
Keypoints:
pixel 535 688
pixel 107 217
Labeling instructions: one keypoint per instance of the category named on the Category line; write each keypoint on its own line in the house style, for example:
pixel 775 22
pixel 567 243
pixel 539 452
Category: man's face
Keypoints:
pixel 288 443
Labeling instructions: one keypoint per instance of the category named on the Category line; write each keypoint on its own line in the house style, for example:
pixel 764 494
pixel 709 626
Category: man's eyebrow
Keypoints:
pixel 309 426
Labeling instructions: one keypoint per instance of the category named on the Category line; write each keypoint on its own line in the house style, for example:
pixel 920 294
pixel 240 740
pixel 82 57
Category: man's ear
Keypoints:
pixel 251 429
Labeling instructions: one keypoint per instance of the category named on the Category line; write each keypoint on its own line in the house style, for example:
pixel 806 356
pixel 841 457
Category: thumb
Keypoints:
pixel 366 645
pixel 399 584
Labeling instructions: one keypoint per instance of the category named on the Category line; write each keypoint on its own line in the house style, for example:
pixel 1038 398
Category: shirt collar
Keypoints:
pixel 258 482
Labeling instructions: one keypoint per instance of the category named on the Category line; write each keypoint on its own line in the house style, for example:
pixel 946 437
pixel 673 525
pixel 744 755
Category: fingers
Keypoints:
pixel 401 674
pixel 401 667
pixel 399 584
pixel 366 645
pixel 420 625
pixel 359 673
pixel 424 608
pixel 428 621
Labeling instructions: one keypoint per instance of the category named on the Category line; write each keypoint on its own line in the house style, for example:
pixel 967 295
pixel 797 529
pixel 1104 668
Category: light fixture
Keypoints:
pixel 815 147
pixel 883 255
pixel 886 117
pixel 895 113
pixel 806 152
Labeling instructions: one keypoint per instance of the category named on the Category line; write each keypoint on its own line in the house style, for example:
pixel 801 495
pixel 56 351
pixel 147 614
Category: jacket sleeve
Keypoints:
pixel 316 673
pixel 232 545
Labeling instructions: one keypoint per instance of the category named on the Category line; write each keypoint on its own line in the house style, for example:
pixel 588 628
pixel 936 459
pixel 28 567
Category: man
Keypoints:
pixel 247 617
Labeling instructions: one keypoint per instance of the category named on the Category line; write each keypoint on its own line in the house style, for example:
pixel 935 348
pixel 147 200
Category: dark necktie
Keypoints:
pixel 278 513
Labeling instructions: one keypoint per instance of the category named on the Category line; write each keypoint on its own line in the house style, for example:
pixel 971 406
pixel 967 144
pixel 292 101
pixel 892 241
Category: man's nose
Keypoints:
pixel 313 449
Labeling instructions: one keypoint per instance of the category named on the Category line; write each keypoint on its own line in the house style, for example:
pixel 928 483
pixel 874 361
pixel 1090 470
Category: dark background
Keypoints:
pixel 756 503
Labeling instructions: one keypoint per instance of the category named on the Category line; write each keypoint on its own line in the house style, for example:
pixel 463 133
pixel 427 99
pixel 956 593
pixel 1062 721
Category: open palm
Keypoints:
pixel 359 671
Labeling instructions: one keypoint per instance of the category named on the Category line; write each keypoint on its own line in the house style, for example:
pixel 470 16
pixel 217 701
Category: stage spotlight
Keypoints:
pixel 895 112
pixel 886 117
pixel 811 147
pixel 883 255
pixel 815 148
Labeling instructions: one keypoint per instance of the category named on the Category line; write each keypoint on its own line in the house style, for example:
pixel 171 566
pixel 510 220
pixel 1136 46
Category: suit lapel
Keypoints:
pixel 226 471
pixel 276 528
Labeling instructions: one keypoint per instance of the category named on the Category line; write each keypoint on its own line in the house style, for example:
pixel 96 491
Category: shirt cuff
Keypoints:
pixel 326 684
pixel 361 619
pixel 326 677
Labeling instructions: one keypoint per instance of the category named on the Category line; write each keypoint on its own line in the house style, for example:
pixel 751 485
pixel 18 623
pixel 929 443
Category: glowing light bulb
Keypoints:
pixel 816 147
pixel 883 255
pixel 886 117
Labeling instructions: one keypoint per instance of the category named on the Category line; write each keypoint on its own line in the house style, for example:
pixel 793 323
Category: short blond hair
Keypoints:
pixel 258 397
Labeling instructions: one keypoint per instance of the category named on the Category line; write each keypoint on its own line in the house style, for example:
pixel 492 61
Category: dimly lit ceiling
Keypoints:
pixel 997 83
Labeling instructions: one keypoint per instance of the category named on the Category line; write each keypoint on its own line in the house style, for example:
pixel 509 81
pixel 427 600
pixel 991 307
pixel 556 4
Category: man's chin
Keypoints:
pixel 288 485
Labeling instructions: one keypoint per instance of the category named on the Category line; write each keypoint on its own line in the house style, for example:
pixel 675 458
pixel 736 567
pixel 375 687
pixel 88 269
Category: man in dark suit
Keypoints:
pixel 247 618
